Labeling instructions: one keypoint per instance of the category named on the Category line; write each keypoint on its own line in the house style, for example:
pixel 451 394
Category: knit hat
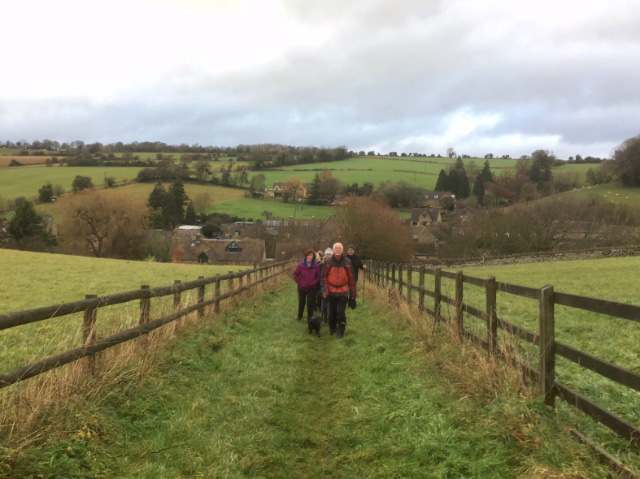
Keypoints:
pixel 328 251
pixel 351 246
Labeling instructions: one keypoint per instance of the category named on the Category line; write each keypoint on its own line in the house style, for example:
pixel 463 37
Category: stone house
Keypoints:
pixel 425 217
pixel 198 250
pixel 280 186
pixel 423 240
pixel 435 199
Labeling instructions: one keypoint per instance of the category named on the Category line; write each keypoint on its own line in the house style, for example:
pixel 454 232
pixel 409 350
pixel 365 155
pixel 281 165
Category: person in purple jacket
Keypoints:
pixel 307 277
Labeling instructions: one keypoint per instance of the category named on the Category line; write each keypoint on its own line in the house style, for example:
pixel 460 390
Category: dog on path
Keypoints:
pixel 314 323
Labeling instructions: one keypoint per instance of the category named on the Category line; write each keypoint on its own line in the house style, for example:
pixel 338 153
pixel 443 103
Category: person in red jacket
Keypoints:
pixel 307 277
pixel 337 284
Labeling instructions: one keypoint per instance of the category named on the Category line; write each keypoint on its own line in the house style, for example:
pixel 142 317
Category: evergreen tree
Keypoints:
pixel 175 203
pixel 443 181
pixel 460 187
pixel 315 191
pixel 26 223
pixel 157 197
pixel 452 182
pixel 478 189
pixel 540 171
pixel 190 215
pixel 486 174
pixel 464 188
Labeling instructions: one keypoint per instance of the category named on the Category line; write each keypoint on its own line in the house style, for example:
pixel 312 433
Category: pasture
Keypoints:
pixel 417 171
pixel 222 200
pixel 611 339
pixel 609 192
pixel 139 192
pixel 26 182
pixel 253 208
pixel 39 279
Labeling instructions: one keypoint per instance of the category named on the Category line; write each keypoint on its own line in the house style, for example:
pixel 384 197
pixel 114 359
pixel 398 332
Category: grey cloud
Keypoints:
pixel 391 74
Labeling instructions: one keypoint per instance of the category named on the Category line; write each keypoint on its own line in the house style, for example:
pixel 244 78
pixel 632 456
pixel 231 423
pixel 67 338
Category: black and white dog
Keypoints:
pixel 314 323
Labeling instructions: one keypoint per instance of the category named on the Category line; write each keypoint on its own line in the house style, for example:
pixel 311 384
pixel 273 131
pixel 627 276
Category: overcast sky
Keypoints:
pixel 481 76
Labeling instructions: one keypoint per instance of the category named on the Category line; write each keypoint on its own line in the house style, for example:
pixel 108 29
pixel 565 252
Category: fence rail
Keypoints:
pixel 384 274
pixel 91 304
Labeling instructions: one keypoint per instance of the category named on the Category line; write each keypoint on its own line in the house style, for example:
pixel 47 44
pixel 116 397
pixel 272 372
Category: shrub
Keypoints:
pixel 45 194
pixel 80 183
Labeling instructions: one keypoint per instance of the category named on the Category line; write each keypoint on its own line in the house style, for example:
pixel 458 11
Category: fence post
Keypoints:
pixel 400 268
pixel 89 329
pixel 176 297
pixel 201 299
pixel 459 300
pixel 409 283
pixel 437 300
pixel 386 274
pixel 230 285
pixel 145 307
pixel 421 288
pixel 216 291
pixel 393 275
pixel 547 345
pixel 89 323
pixel 241 283
pixel 492 315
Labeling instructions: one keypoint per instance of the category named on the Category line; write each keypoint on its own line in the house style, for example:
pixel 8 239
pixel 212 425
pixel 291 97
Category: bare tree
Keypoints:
pixel 201 203
pixel 101 223
pixel 375 229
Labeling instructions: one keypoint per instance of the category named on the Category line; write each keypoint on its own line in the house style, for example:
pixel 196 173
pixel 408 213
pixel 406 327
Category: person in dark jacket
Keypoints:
pixel 337 284
pixel 307 277
pixel 356 262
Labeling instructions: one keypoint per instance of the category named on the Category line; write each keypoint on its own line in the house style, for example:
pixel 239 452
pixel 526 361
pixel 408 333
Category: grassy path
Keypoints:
pixel 256 396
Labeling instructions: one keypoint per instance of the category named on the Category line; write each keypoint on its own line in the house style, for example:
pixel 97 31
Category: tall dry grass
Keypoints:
pixel 498 385
pixel 470 370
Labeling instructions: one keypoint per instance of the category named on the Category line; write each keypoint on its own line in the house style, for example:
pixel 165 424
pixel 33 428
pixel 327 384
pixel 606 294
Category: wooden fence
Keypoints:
pixel 92 303
pixel 391 275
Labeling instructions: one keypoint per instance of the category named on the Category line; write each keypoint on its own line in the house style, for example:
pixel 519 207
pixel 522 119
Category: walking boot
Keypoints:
pixel 340 331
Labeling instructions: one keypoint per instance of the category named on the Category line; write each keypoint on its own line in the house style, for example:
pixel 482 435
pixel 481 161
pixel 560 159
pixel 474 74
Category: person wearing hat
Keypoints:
pixel 323 303
pixel 337 284
pixel 356 262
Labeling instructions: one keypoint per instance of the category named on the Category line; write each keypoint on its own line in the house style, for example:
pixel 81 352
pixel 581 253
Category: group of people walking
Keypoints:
pixel 327 282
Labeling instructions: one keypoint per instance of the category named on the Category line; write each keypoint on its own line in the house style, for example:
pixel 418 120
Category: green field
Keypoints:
pixel 26 182
pixel 611 339
pixel 609 192
pixel 576 168
pixel 253 208
pixel 416 171
pixel 139 192
pixel 36 280
pixel 223 200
